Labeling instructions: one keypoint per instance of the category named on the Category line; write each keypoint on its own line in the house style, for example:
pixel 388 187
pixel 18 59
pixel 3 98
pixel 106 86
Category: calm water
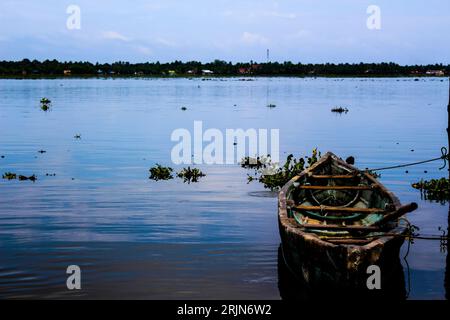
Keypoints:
pixel 136 238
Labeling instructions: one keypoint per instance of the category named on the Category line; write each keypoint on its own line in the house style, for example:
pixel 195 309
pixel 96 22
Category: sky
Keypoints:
pixel 307 31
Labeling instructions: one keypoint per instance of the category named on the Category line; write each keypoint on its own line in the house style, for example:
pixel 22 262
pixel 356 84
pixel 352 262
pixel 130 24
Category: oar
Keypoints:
pixel 397 213
pixel 377 226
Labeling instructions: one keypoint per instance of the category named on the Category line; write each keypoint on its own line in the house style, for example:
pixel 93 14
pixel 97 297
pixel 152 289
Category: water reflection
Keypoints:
pixel 294 287
pixel 126 126
pixel 447 260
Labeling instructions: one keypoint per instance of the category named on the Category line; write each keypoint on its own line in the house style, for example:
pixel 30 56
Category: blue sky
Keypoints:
pixel 317 31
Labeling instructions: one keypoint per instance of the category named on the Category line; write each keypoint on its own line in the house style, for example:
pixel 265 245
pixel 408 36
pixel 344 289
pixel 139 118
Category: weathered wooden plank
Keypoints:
pixel 307 187
pixel 315 176
pixel 337 209
pixel 349 241
pixel 397 213
pixel 340 228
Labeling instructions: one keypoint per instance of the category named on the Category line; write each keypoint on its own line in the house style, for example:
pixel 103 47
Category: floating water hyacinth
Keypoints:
pixel 45 104
pixel 274 177
pixel 9 176
pixel 434 189
pixel 339 110
pixel 24 178
pixel 13 176
pixel 255 163
pixel 159 172
pixel 190 175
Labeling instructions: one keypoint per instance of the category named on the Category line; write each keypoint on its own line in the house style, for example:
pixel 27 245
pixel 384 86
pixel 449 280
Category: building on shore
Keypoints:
pixel 207 72
pixel 436 73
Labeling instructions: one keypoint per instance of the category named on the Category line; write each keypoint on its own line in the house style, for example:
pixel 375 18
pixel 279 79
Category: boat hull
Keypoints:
pixel 321 262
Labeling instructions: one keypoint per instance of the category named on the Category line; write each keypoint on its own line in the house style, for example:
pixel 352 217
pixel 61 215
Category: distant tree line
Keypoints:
pixel 55 68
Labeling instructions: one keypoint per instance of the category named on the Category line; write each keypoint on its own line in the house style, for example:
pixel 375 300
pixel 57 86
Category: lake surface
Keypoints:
pixel 138 238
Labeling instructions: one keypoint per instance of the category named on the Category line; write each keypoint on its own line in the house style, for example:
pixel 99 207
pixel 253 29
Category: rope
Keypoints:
pixel 409 236
pixel 444 157
pixel 405 258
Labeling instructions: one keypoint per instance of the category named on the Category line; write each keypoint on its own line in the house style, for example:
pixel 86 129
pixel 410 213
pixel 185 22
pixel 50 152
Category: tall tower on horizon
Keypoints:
pixel 268 55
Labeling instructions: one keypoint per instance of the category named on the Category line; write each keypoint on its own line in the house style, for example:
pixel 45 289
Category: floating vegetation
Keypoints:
pixel 183 108
pixel 31 178
pixel 77 136
pixel 50 174
pixel 274 177
pixel 45 104
pixel 339 110
pixel 271 105
pixel 254 163
pixel 42 151
pixel 13 176
pixel 434 189
pixel 9 176
pixel 190 175
pixel 159 172
pixel 3 157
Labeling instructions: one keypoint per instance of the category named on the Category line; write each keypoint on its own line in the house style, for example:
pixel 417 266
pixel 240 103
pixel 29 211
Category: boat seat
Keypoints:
pixel 308 187
pixel 315 176
pixel 338 209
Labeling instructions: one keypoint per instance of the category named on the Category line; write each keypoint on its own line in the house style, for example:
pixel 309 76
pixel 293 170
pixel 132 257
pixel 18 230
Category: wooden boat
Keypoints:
pixel 335 221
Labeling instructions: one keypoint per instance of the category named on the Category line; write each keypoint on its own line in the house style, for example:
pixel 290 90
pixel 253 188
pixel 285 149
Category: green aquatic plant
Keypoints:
pixel 190 175
pixel 339 110
pixel 13 176
pixel 77 136
pixel 9 176
pixel 183 108
pixel 24 178
pixel 271 105
pixel 254 163
pixel 159 172
pixel 45 104
pixel 434 189
pixel 274 177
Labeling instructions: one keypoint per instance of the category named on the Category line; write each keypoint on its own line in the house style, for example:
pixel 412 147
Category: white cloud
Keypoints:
pixel 253 38
pixel 277 14
pixel 143 50
pixel 113 35
pixel 165 42
pixel 259 14
pixel 301 34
